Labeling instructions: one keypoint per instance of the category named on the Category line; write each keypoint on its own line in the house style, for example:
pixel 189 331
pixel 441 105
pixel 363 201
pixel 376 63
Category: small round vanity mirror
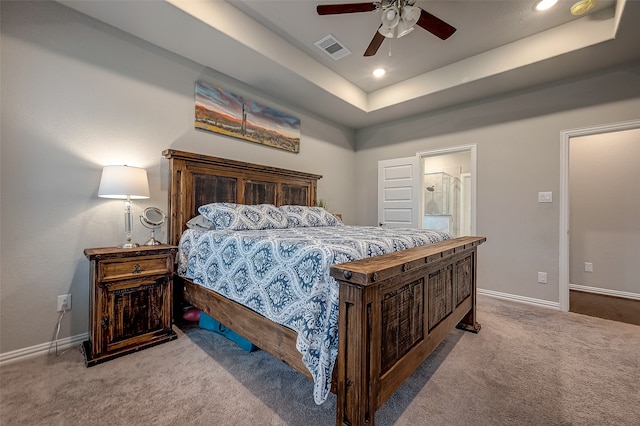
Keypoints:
pixel 153 218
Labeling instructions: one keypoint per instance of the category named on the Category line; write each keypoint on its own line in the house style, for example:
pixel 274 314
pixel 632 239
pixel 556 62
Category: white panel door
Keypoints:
pixel 399 193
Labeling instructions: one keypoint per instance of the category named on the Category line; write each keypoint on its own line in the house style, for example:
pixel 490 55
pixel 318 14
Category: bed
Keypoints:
pixel 393 309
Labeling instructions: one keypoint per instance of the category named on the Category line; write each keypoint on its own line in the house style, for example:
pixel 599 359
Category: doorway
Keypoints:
pixel 434 189
pixel 595 268
pixel 448 190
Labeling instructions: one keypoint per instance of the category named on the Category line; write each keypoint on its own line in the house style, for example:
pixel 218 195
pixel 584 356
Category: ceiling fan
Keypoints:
pixel 398 19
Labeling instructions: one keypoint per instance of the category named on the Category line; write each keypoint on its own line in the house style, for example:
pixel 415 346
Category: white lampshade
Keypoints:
pixel 124 181
pixel 404 28
pixel 390 19
pixel 409 17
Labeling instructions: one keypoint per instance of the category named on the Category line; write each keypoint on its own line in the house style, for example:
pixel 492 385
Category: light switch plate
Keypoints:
pixel 545 197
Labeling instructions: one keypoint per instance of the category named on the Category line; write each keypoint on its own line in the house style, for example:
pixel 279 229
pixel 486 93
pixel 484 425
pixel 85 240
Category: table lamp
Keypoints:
pixel 126 183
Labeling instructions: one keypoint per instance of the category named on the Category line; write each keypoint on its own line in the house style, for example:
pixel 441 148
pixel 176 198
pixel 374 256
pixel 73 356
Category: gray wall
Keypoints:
pixel 518 139
pixel 604 208
pixel 78 95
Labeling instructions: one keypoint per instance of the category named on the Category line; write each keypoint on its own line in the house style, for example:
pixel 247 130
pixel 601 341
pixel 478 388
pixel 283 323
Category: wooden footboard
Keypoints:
pixel 394 310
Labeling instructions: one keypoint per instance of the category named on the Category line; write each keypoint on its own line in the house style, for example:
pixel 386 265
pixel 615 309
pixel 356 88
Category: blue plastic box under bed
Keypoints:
pixel 209 323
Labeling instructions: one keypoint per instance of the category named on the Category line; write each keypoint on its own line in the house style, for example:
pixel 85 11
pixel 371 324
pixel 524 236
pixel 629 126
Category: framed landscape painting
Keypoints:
pixel 220 111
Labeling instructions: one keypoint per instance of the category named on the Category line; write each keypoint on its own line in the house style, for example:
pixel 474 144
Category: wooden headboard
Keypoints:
pixel 201 179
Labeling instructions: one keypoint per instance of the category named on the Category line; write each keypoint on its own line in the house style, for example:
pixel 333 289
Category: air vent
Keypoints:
pixel 332 47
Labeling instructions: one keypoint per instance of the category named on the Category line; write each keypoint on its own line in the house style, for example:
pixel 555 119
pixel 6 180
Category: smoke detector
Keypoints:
pixel 582 7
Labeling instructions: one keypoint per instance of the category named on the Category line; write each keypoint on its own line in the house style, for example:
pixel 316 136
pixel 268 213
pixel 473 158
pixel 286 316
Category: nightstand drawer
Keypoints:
pixel 132 268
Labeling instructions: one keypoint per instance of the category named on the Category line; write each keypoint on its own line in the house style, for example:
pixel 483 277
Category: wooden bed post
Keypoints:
pixel 469 322
pixel 354 362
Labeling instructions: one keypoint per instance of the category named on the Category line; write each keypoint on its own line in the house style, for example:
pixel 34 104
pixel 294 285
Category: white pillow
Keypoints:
pixel 200 223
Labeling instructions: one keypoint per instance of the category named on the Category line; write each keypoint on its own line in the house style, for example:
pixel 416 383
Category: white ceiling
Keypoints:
pixel 499 46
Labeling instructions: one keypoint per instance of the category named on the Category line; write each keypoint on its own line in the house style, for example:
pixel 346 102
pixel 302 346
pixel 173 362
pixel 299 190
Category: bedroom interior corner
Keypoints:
pixel 548 367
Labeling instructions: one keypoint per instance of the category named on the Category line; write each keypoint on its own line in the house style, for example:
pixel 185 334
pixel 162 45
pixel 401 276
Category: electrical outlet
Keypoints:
pixel 542 277
pixel 588 267
pixel 64 302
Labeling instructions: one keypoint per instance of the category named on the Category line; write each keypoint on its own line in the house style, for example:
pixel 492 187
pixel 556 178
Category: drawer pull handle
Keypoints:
pixel 105 322
pixel 136 269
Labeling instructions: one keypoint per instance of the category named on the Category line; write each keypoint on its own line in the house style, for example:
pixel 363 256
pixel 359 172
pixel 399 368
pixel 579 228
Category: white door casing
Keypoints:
pixel 465 204
pixel 399 193
pixel 565 226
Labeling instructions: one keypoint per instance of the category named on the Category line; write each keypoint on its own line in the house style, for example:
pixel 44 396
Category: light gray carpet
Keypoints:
pixel 527 366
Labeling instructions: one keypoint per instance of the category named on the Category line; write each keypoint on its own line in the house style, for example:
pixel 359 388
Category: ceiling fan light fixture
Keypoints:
pixel 409 15
pixel 398 18
pixel 391 16
pixel 390 20
pixel 403 29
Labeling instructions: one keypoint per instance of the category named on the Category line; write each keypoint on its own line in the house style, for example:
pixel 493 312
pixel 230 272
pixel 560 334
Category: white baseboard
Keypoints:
pixel 521 299
pixel 42 349
pixel 605 291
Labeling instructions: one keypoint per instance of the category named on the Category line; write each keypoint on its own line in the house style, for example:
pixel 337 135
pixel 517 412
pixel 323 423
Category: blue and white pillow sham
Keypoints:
pixel 242 217
pixel 305 216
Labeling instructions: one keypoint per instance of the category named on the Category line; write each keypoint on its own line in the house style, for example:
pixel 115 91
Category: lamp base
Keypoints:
pixel 129 245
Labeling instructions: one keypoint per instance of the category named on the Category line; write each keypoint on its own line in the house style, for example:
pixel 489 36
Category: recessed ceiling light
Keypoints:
pixel 546 4
pixel 379 72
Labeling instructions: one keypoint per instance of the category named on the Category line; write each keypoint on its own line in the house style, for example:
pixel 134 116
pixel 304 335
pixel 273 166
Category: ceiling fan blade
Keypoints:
pixel 375 44
pixel 336 9
pixel 434 25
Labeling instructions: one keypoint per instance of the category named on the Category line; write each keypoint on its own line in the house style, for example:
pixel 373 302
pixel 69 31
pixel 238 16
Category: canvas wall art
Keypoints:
pixel 220 111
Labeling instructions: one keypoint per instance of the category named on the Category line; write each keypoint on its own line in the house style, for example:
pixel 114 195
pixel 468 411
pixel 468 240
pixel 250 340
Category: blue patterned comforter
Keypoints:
pixel 284 275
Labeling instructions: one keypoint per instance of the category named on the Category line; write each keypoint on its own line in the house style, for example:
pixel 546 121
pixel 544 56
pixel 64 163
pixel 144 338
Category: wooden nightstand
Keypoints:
pixel 130 302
